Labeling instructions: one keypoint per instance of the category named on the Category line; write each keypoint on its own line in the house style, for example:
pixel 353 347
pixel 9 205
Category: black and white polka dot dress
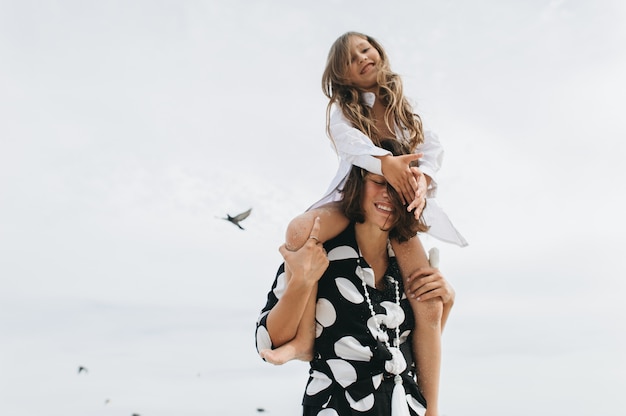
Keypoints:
pixel 347 375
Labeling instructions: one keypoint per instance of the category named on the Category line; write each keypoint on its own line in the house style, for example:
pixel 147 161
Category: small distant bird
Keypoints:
pixel 107 401
pixel 260 409
pixel 237 218
pixel 82 369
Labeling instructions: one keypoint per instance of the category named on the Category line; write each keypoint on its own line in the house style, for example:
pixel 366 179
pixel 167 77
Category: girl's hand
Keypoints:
pixel 308 263
pixel 397 172
pixel 419 202
pixel 428 283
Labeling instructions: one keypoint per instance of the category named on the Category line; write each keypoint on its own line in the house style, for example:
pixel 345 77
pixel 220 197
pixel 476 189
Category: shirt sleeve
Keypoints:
pixel 353 146
pixel 431 162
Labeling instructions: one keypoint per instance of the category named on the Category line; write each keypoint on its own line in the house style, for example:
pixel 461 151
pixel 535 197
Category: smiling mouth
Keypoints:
pixel 366 68
pixel 384 207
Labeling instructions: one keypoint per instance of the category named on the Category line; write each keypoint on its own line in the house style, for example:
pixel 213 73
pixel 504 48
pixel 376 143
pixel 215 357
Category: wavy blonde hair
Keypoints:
pixel 348 97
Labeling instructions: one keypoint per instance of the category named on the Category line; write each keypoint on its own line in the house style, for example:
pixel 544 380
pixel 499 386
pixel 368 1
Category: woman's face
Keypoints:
pixel 363 67
pixel 376 204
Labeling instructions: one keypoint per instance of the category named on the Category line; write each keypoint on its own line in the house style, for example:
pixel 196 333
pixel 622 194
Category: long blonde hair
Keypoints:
pixel 348 97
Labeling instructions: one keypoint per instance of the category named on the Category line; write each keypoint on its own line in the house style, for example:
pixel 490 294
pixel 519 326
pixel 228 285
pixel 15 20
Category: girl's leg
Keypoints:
pixel 428 317
pixel 332 223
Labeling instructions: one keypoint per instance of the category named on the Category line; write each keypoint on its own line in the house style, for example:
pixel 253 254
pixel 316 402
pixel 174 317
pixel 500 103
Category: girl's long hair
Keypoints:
pixel 336 87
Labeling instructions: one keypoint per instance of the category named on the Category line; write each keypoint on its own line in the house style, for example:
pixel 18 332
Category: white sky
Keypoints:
pixel 126 128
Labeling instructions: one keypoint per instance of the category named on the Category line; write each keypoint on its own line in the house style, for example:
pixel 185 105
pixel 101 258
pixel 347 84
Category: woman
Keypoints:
pixel 368 343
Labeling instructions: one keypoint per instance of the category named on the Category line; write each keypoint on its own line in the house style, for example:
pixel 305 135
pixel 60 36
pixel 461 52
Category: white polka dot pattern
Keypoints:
pixel 319 382
pixel 325 313
pixel 263 340
pixel 349 348
pixel 342 252
pixel 343 372
pixel 258 321
pixel 415 405
pixel 328 412
pixel 362 405
pixel 349 291
pixel 281 284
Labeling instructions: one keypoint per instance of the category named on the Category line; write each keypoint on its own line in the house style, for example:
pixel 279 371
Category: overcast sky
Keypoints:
pixel 127 129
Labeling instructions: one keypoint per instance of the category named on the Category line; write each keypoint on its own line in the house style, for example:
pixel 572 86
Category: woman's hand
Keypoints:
pixel 397 172
pixel 308 263
pixel 428 283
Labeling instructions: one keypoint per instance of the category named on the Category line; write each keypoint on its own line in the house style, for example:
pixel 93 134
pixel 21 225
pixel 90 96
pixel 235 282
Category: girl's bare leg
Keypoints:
pixel 332 223
pixel 428 318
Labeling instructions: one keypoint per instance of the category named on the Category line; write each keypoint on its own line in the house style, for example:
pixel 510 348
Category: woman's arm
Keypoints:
pixel 303 268
pixel 300 347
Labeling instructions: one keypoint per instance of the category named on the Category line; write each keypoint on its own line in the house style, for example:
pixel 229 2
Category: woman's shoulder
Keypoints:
pixel 343 246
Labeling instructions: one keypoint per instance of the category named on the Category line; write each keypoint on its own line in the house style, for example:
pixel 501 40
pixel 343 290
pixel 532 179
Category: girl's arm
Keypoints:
pixel 357 149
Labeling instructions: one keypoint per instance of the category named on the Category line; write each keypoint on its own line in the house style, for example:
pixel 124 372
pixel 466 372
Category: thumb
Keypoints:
pixel 315 231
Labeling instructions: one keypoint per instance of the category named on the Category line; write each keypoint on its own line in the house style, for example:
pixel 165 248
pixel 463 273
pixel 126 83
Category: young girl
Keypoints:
pixel 371 107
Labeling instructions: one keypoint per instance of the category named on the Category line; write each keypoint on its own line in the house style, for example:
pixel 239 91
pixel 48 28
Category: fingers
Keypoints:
pixel 424 280
pixel 315 231
pixel 432 294
pixel 418 205
pixel 420 179
pixel 410 158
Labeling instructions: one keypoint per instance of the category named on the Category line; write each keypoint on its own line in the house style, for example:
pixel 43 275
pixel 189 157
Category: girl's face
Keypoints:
pixel 376 204
pixel 363 66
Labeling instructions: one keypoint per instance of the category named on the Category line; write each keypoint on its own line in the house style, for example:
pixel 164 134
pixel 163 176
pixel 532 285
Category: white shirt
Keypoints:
pixel 355 148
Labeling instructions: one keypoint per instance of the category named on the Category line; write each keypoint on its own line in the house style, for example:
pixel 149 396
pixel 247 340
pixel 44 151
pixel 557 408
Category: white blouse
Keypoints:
pixel 355 148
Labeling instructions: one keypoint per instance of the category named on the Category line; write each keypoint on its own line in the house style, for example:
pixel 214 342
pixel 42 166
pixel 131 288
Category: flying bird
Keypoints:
pixel 237 218
pixel 82 369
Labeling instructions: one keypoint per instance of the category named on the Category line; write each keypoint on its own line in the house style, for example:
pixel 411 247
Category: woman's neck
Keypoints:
pixel 372 243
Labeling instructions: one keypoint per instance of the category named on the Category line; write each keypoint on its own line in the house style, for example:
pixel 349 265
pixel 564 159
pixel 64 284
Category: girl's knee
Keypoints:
pixel 298 232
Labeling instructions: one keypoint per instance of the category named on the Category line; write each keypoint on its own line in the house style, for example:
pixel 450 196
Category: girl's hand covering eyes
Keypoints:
pixel 397 171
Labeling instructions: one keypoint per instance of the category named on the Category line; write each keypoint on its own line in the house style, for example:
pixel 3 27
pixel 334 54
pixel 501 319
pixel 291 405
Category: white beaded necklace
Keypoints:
pixel 397 364
pixel 396 342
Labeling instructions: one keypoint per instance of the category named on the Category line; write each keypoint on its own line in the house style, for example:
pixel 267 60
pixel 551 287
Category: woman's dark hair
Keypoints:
pixel 405 225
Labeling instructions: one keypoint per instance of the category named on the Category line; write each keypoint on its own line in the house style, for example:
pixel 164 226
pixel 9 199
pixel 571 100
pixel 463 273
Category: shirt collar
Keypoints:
pixel 368 98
